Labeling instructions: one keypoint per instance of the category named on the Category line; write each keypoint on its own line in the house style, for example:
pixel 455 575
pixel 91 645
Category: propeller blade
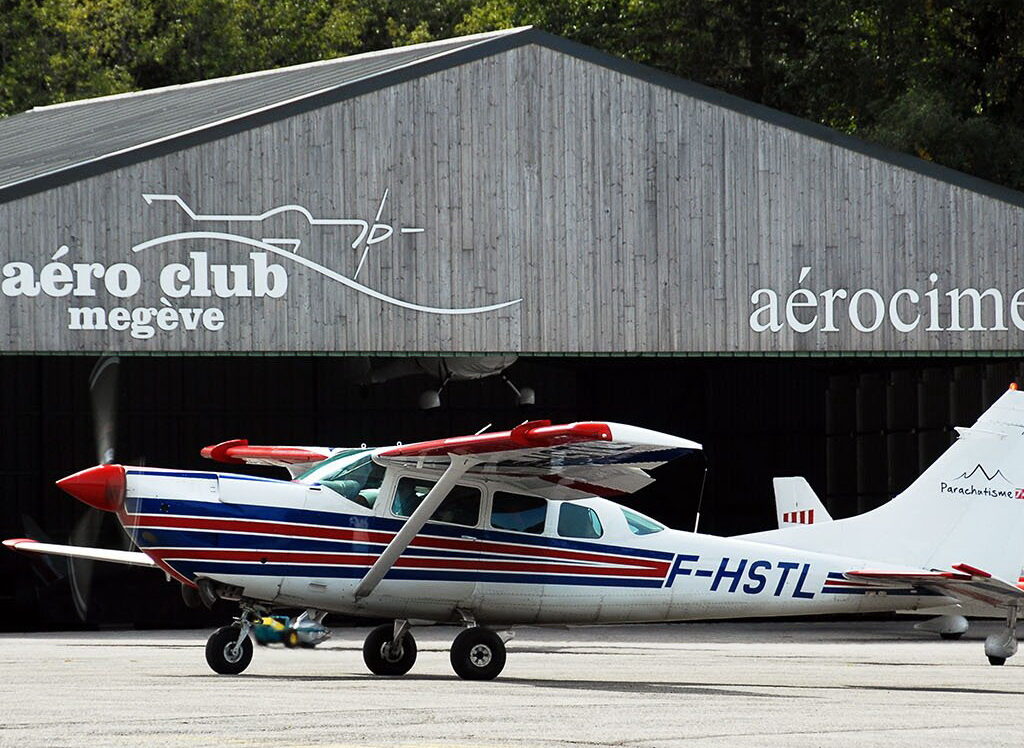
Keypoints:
pixel 95 528
pixel 86 532
pixel 103 393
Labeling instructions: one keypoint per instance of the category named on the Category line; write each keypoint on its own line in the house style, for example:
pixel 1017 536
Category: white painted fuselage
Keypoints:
pixel 301 544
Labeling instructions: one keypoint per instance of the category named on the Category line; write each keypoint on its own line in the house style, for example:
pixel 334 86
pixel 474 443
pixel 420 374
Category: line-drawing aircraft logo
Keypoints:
pixel 368 234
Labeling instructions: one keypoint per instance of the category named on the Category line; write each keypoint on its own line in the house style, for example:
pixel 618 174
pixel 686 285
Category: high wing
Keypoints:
pixel 133 558
pixel 296 460
pixel 966 583
pixel 569 461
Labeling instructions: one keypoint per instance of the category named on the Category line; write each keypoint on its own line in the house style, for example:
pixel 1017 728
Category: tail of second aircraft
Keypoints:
pixel 967 508
pixel 797 504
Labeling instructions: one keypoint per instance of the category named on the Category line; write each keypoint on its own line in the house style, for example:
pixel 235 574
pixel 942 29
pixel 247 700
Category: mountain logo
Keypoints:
pixel 989 477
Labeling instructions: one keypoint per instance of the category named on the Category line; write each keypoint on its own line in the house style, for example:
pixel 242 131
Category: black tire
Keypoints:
pixel 220 654
pixel 952 635
pixel 996 660
pixel 380 660
pixel 478 654
pixel 290 638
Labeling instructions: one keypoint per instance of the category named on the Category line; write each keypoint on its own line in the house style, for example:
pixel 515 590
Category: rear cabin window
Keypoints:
pixel 641 525
pixel 359 482
pixel 460 507
pixel 518 512
pixel 575 521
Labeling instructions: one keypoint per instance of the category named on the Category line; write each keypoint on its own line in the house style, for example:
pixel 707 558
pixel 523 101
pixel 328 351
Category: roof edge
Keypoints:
pixel 489 44
pixel 474 38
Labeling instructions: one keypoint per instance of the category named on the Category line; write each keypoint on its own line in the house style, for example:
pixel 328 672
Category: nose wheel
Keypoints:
pixel 229 650
pixel 478 654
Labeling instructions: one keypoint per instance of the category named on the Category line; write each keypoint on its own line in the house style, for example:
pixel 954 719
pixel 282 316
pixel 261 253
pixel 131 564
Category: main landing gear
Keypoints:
pixel 477 653
pixel 1002 645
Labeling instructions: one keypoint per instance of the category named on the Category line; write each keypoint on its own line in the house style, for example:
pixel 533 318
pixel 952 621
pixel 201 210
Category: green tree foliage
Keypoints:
pixel 942 79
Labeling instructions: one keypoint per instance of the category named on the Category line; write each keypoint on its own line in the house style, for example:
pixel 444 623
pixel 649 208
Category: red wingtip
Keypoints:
pixel 972 570
pixel 219 452
pixel 12 543
pixel 102 486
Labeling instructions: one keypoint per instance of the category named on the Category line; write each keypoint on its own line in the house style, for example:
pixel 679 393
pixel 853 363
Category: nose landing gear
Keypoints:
pixel 229 648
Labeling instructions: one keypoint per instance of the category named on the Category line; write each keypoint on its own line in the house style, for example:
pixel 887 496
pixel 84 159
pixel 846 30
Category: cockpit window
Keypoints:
pixel 358 482
pixel 460 507
pixel 575 521
pixel 641 525
pixel 332 465
pixel 518 512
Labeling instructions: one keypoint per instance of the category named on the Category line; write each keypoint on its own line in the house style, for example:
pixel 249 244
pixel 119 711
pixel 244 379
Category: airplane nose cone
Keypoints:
pixel 102 486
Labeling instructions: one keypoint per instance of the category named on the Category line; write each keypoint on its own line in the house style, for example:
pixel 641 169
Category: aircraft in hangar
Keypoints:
pixel 516 527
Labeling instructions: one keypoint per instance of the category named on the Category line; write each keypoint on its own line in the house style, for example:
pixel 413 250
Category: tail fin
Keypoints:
pixel 968 507
pixel 797 504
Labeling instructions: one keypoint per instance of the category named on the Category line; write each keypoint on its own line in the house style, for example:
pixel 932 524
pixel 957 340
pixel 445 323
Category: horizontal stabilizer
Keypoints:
pixel 965 583
pixel 797 504
pixel 132 558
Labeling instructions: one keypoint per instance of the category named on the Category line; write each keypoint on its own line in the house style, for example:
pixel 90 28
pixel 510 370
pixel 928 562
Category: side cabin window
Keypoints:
pixel 460 507
pixel 641 525
pixel 359 482
pixel 575 521
pixel 518 512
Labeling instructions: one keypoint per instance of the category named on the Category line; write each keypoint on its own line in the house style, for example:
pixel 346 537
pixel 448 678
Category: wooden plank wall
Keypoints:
pixel 628 217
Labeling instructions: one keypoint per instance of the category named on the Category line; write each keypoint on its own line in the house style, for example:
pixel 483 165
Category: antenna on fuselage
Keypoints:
pixel 483 429
pixel 700 499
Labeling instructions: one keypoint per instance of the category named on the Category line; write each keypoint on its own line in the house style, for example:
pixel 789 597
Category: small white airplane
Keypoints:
pixel 515 527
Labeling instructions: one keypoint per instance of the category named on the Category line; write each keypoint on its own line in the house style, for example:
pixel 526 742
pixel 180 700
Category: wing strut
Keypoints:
pixel 459 465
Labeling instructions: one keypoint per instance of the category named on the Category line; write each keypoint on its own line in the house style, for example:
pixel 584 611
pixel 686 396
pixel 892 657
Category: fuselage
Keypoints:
pixel 308 543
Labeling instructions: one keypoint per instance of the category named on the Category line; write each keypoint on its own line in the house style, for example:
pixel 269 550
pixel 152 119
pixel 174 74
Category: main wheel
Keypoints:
pixel 384 659
pixel 951 635
pixel 996 660
pixel 478 654
pixel 222 654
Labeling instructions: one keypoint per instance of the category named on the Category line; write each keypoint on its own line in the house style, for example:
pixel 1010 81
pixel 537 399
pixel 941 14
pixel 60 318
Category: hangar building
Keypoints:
pixel 654 251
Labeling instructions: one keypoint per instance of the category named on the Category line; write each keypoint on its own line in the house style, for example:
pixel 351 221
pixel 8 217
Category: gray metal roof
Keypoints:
pixel 48 140
pixel 58 144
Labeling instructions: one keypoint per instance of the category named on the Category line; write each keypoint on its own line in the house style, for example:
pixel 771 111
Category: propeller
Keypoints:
pixel 96 528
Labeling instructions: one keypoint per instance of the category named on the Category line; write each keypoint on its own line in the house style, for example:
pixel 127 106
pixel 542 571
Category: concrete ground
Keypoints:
pixel 751 684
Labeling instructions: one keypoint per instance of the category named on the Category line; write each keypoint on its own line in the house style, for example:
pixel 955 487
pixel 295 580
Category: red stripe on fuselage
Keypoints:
pixel 346 559
pixel 371 536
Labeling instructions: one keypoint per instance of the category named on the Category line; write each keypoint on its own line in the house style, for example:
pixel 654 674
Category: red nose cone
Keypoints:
pixel 102 486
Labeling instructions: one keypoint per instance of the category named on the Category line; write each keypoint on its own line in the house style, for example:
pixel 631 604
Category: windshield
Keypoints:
pixel 332 465
pixel 359 481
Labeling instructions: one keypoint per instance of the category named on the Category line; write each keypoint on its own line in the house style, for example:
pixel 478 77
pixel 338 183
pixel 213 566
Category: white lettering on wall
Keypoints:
pixel 807 309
